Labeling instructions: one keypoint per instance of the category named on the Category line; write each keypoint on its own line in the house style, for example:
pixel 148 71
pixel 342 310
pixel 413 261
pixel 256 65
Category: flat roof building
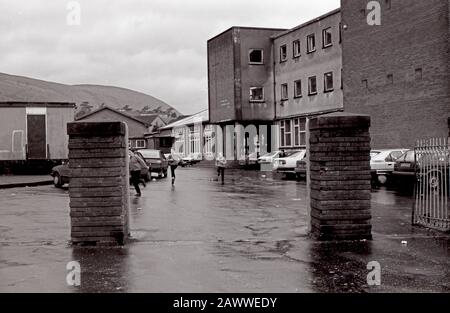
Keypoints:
pixel 307 76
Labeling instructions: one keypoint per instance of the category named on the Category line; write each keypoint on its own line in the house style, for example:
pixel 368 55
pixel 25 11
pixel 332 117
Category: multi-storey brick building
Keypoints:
pixel 307 76
pixel 259 76
pixel 240 70
pixel 398 72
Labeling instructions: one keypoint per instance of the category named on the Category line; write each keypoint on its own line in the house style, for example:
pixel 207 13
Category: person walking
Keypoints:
pixel 221 162
pixel 173 163
pixel 136 164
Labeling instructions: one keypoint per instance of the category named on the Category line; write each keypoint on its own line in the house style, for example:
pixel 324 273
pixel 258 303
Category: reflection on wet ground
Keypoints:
pixel 249 235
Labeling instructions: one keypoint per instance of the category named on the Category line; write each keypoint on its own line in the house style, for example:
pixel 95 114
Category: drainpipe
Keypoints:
pixel 274 80
pixel 274 94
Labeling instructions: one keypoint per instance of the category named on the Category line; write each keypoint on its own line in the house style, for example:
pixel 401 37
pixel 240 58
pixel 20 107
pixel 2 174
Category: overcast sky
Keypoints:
pixel 154 46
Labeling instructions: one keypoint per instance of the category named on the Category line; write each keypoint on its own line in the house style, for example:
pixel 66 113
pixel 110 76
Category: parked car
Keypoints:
pixel 374 153
pixel 288 164
pixel 269 157
pixel 177 157
pixel 404 173
pixel 156 160
pixel 382 164
pixel 61 174
pixel 300 169
pixel 250 160
pixel 192 159
pixel 408 169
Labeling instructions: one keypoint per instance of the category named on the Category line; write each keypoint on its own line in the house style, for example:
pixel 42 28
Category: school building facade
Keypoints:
pixel 397 72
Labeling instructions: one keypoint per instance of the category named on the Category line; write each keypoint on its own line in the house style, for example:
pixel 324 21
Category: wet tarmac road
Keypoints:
pixel 249 235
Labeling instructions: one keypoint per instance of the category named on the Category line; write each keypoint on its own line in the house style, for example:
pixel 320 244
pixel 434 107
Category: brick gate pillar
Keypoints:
pixel 339 177
pixel 98 188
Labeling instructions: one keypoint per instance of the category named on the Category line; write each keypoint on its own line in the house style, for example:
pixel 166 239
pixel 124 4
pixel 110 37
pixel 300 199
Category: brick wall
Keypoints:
pixel 339 177
pixel 98 186
pixel 412 44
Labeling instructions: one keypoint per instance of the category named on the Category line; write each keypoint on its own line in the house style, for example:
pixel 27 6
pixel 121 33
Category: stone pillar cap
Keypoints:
pixel 339 120
pixel 98 129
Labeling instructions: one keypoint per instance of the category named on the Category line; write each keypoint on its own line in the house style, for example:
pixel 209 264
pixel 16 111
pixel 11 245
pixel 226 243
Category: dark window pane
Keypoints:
pixel 311 43
pixel 288 140
pixel 283 53
pixel 328 81
pixel 298 88
pixel 302 124
pixel 256 56
pixel 327 37
pixel 288 126
pixel 312 85
pixel 303 139
pixel 296 48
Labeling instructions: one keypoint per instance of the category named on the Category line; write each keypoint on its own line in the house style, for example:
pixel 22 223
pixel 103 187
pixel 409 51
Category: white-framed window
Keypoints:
pixel 296 133
pixel 208 138
pixel 311 43
pixel 286 133
pixel 296 48
pixel 284 92
pixel 256 94
pixel 312 85
pixel 194 140
pixel 300 132
pixel 140 144
pixel 283 53
pixel 256 56
pixel 328 82
pixel 298 89
pixel 327 38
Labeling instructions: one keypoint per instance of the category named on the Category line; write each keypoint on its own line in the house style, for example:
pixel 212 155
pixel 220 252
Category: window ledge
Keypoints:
pixel 328 91
pixel 255 63
pixel 313 94
pixel 298 97
pixel 328 46
pixel 312 51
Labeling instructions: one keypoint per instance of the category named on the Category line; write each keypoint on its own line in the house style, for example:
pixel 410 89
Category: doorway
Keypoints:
pixel 36 137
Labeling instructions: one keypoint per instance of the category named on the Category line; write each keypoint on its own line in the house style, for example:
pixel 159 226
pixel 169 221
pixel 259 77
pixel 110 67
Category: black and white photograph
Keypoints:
pixel 225 152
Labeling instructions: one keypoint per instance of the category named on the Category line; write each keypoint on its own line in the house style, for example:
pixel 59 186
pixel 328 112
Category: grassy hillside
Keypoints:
pixel 87 97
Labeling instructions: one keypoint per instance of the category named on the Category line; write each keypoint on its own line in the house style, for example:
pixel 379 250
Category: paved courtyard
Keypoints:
pixel 249 235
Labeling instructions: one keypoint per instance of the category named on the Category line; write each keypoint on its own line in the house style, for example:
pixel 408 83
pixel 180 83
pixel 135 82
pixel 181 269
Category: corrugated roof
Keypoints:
pixel 148 118
pixel 199 117
pixel 115 111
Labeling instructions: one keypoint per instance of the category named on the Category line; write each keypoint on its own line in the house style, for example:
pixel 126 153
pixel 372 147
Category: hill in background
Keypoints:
pixel 86 97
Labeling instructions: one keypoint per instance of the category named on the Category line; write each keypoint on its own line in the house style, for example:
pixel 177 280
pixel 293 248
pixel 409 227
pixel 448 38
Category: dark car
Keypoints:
pixel 61 174
pixel 405 169
pixel 408 169
pixel 300 169
pixel 155 160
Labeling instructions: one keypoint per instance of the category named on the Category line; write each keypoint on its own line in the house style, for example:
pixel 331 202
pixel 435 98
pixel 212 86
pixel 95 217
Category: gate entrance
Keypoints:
pixel 432 190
